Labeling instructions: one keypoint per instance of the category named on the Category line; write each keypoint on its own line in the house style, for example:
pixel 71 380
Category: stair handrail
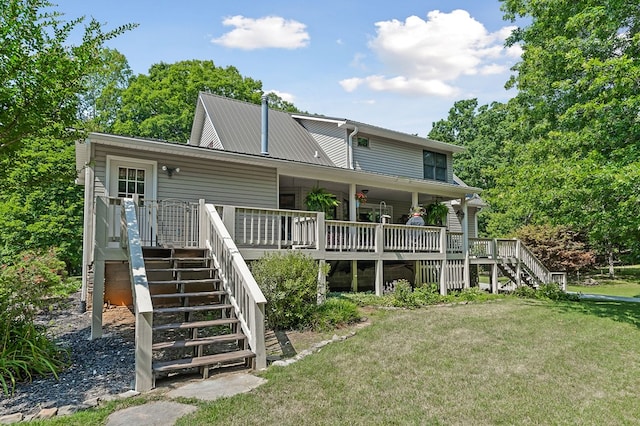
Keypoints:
pixel 533 264
pixel 245 296
pixel 143 308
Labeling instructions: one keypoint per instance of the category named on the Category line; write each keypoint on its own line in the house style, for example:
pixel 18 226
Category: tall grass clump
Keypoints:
pixel 25 349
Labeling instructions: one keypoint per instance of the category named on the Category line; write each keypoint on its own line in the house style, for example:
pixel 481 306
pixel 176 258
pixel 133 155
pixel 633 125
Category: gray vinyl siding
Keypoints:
pixel 209 137
pixel 217 182
pixel 394 158
pixel 331 139
pixel 453 223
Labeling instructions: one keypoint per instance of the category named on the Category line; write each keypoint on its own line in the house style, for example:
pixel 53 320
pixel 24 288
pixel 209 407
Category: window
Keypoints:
pixel 435 165
pixel 363 142
pixel 130 182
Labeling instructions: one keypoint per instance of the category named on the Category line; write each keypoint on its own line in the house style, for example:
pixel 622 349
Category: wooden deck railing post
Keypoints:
pixel 229 220
pixel 202 224
pixel 443 262
pixel 518 264
pixel 321 232
pixel 379 271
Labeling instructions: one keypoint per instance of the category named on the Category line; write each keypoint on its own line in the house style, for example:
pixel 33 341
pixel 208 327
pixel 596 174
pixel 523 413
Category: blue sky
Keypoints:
pixel 395 64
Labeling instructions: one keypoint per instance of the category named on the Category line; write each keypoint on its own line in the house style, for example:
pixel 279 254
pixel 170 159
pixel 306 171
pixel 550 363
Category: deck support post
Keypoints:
pixel 354 276
pixel 322 282
pixel 494 278
pixel 88 236
pixel 101 230
pixel 97 299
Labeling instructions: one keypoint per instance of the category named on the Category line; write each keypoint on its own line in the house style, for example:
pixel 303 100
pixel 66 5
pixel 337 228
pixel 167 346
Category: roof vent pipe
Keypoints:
pixel 265 126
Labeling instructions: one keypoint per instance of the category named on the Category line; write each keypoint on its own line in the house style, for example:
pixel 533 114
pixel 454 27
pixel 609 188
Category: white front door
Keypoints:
pixel 127 177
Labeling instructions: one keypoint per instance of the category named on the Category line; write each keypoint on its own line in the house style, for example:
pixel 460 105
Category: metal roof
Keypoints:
pixel 239 127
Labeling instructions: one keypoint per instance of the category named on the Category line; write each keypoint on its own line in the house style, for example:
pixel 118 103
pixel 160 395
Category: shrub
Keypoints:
pixel 25 350
pixel 289 282
pixel 551 291
pixel 403 294
pixel 558 247
pixel 335 312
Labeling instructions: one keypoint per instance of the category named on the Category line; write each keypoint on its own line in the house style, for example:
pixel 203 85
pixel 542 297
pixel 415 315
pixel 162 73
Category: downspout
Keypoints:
pixel 350 148
pixel 265 126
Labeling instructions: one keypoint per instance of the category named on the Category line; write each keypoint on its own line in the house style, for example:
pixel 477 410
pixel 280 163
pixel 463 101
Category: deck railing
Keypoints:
pixel 272 228
pixel 244 294
pixel 350 236
pixel 454 242
pixel 482 248
pixel 423 239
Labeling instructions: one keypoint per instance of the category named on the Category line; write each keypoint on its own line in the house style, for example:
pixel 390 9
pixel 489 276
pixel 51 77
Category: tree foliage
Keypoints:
pixel 579 99
pixel 41 74
pixel 162 104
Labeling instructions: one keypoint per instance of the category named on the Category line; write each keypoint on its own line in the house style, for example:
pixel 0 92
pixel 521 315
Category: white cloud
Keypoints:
pixel 284 95
pixel 428 56
pixel 261 33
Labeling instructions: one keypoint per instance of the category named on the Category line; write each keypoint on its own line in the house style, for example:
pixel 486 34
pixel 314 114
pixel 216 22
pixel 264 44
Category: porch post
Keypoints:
pixel 353 214
pixel 465 241
pixel 414 199
pixel 321 243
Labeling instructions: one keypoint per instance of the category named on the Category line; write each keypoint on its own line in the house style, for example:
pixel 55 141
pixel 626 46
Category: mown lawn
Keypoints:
pixel 501 362
pixel 626 283
pixel 508 361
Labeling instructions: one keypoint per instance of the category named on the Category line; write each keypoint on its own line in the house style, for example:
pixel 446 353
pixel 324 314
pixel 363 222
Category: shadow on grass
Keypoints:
pixel 618 311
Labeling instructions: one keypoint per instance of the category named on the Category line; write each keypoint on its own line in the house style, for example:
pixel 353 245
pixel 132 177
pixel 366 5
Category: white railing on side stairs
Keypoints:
pixel 143 308
pixel 244 294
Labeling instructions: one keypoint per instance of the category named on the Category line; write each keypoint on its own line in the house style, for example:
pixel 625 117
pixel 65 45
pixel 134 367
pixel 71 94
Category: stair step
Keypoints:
pixel 198 308
pixel 178 259
pixel 188 281
pixel 199 269
pixel 198 342
pixel 160 366
pixel 195 324
pixel 188 294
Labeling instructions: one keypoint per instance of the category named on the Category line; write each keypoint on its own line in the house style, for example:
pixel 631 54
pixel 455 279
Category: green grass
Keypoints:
pixel 626 283
pixel 508 361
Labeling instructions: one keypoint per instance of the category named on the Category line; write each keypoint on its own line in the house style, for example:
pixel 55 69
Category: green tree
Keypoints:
pixel 579 85
pixel 102 97
pixel 162 103
pixel 41 74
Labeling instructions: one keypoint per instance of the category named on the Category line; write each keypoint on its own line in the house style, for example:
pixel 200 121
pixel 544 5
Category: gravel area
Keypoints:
pixel 98 367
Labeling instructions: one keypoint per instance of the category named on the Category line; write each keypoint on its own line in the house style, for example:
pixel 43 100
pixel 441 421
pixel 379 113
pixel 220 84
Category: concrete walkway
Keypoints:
pixel 605 298
pixel 166 413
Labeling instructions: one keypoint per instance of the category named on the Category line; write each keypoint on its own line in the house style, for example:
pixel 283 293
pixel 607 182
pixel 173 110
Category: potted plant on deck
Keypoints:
pixel 321 200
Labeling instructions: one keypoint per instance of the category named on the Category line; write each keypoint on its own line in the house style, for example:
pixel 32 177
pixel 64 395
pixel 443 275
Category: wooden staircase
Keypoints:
pixel 510 271
pixel 194 326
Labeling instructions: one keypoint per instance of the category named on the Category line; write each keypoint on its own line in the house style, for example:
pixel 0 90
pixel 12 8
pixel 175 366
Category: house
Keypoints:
pixel 170 227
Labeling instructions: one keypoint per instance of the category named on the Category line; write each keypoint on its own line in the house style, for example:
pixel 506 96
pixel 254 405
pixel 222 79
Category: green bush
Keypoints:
pixel 550 291
pixel 335 312
pixel 403 294
pixel 289 282
pixel 25 350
